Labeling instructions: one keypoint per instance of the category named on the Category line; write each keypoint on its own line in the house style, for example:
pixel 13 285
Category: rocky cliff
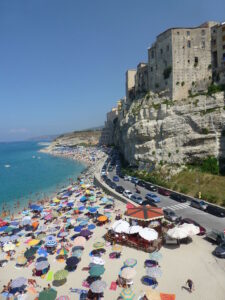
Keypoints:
pixel 153 130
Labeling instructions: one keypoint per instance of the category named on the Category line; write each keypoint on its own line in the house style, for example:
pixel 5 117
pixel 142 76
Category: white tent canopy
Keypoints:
pixel 121 226
pixel 148 234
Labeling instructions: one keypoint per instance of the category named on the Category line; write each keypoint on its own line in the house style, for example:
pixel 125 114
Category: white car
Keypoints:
pixel 103 173
pixel 127 194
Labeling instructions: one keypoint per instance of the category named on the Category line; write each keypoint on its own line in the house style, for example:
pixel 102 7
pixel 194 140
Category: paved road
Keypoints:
pixel 181 209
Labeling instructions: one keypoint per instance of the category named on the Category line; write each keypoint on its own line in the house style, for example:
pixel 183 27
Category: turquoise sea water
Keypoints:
pixel 27 174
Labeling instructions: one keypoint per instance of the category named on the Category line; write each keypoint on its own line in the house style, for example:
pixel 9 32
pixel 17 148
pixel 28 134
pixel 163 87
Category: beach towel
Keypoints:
pixel 113 286
pixel 49 276
pixel 86 269
pixel 167 296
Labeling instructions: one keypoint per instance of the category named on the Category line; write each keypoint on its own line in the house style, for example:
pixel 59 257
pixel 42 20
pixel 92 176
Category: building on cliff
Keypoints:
pixel 218 53
pixel 107 132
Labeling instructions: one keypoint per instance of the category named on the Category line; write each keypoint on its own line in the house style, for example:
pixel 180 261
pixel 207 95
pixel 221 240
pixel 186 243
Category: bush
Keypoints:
pixel 184 189
pixel 205 131
pixel 210 165
pixel 213 88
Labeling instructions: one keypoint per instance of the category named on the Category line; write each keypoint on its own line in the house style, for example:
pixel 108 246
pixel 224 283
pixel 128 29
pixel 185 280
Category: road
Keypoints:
pixel 183 210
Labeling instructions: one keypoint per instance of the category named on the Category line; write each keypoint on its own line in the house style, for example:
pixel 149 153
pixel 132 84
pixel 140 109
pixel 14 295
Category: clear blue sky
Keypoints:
pixel 63 62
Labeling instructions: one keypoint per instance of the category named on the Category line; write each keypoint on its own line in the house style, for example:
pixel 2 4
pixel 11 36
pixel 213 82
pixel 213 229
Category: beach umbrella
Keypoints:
pixel 77 253
pixel 79 241
pixel 63 234
pixel 41 258
pixel 41 236
pixel 104 200
pixel 48 217
pixel 42 252
pixel 50 241
pixel 77 228
pixel 21 260
pixel 153 295
pixel 190 228
pixel 134 229
pixel 121 226
pixel 85 233
pixel 30 252
pixel 3 228
pixel 117 248
pixel 3 223
pixel 13 223
pixel 41 265
pixel 18 282
pixel 128 273
pixel 127 294
pixel 102 219
pixel 9 229
pixel 52 229
pixel 33 242
pixel 26 220
pixel 77 248
pixel 83 199
pixel 5 239
pixel 72 261
pixel 98 286
pixel 91 227
pixel 148 234
pixel 154 272
pixel 60 275
pixel 81 208
pixel 62 251
pixel 56 200
pixel 9 247
pixel 96 270
pixel 177 233
pixel 36 207
pixel 155 255
pixel 92 210
pixel 14 238
pixel 48 294
pixel 98 245
pixel 130 262
pixel 97 260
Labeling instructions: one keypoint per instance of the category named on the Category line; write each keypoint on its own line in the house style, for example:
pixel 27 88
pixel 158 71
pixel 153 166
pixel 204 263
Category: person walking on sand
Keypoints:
pixel 190 285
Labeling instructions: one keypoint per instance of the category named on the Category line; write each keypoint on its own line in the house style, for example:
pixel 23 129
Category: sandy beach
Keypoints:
pixel 194 260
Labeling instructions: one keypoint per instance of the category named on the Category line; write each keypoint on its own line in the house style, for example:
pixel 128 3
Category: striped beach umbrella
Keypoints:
pixel 50 241
pixel 130 262
pixel 98 286
pixel 60 275
pixel 154 272
pixel 127 294
pixel 18 282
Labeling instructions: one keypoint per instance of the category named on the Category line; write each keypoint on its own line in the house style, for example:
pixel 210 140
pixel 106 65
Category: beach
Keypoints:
pixel 76 204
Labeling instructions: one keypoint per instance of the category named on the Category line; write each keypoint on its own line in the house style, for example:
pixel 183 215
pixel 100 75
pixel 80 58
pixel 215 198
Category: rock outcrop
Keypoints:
pixel 155 130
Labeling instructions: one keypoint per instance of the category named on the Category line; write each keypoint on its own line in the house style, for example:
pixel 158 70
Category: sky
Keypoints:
pixel 63 62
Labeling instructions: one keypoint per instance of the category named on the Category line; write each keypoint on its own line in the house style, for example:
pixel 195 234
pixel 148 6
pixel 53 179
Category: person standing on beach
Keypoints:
pixel 190 285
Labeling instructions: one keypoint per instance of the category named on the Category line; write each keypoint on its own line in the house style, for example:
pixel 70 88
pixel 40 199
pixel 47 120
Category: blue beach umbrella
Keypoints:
pixel 14 223
pixel 104 200
pixel 5 239
pixel 77 253
pixel 78 228
pixel 3 228
pixel 42 252
pixel 81 208
pixel 92 210
pixel 83 223
pixel 83 199
pixel 91 227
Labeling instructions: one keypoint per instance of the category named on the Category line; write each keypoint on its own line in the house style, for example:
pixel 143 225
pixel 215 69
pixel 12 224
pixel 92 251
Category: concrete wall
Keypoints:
pixel 130 83
pixel 141 79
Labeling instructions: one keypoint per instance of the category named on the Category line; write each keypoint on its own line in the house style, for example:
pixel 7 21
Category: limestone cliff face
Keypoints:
pixel 155 129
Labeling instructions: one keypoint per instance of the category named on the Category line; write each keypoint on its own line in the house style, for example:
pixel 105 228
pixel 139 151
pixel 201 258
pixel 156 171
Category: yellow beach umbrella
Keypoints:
pixel 21 260
pixel 87 192
pixel 152 295
pixel 33 242
pixel 83 186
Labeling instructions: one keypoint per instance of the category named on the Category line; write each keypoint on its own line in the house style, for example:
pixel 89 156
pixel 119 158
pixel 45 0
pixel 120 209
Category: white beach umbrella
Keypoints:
pixel 190 228
pixel 135 229
pixel 26 220
pixel 97 260
pixel 148 234
pixel 177 233
pixel 121 226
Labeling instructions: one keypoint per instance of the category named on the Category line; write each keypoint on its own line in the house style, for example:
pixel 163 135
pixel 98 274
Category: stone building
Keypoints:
pixel 218 53
pixel 141 79
pixel 179 62
pixel 130 84
pixel 107 132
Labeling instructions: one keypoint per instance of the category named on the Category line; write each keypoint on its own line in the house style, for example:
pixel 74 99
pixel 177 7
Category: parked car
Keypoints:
pixel 152 197
pixel 150 187
pixel 216 236
pixel 127 193
pixel 134 180
pixel 170 215
pixel 126 178
pixel 216 211
pixel 103 173
pixel 120 175
pixel 116 178
pixel 104 177
pixel 113 185
pixel 149 202
pixel 178 197
pixel 141 183
pixel 190 221
pixel 137 198
pixel 108 181
pixel 120 189
pixel 163 192
pixel 220 250
pixel 200 204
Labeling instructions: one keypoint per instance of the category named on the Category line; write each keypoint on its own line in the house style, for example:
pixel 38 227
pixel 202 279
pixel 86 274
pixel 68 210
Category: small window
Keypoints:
pixel 189 44
pixel 196 59
pixel 151 69
pixel 167 48
pixel 178 32
pixel 224 38
pixel 189 61
pixel 152 54
pixel 203 31
pixel 203 44
pixel 161 51
pixel 223 28
pixel 223 47
pixel 188 33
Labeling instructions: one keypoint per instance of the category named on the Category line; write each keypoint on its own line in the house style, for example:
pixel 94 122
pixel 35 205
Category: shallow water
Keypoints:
pixel 27 174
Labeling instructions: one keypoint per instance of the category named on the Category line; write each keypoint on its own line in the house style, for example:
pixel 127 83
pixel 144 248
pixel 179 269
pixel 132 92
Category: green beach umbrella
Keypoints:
pixel 30 252
pixel 48 294
pixel 60 275
pixel 9 229
pixel 96 270
pixel 98 245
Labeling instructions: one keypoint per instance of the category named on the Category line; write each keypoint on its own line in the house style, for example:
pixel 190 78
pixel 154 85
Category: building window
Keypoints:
pixel 152 53
pixel 178 32
pixel 167 48
pixel 151 69
pixel 223 38
pixel 189 61
pixel 223 28
pixel 188 33
pixel 189 44
pixel 203 44
pixel 203 31
pixel 161 51
pixel 196 61
pixel 214 42
pixel 223 56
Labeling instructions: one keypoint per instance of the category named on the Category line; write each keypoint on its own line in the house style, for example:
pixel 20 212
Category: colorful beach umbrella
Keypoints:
pixel 98 286
pixel 21 260
pixel 91 227
pixel 42 265
pixel 128 273
pixel 33 242
pixel 60 275
pixel 8 247
pixel 18 282
pixel 96 270
pixel 98 245
pixel 130 262
pixel 47 294
pixel 102 218
pixel 79 241
pixel 50 241
pixel 30 252
pixel 127 294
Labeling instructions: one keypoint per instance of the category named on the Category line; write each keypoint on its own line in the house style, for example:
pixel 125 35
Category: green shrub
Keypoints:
pixel 210 165
pixel 213 88
pixel 205 131
pixel 184 189
pixel 177 151
pixel 153 152
pixel 169 154
pixel 177 83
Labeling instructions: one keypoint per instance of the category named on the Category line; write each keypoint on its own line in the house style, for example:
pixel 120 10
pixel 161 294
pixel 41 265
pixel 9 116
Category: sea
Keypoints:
pixel 29 175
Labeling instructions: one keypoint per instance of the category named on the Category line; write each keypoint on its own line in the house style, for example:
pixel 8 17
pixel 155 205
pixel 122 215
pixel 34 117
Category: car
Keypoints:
pixel 121 175
pixel 136 198
pixel 127 193
pixel 104 177
pixel 150 187
pixel 170 215
pixel 200 204
pixel 108 181
pixel 126 178
pixel 152 197
pixel 190 221
pixel 141 183
pixel 149 202
pixel 178 197
pixel 164 192
pixel 110 169
pixel 120 189
pixel 134 180
pixel 216 236
pixel 116 178
pixel 103 173
pixel 220 250
pixel 216 211
pixel 113 185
